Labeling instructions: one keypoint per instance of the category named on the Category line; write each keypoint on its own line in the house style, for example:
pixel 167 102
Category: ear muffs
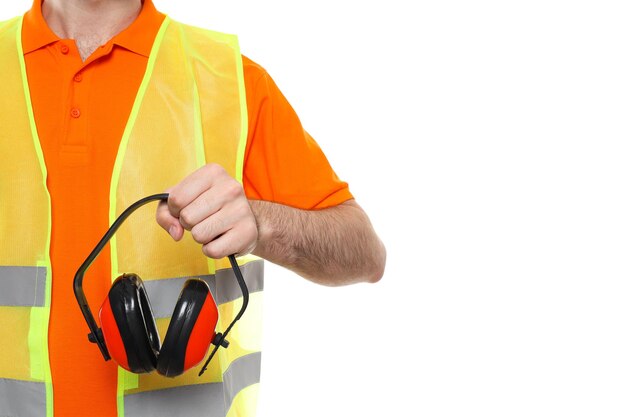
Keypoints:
pixel 131 334
pixel 190 331
pixel 128 325
pixel 128 332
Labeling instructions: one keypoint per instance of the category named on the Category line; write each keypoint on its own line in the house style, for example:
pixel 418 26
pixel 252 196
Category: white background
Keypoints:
pixel 485 140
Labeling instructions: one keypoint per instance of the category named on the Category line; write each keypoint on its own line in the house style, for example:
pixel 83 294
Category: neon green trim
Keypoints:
pixel 37 336
pixel 121 382
pixel 44 331
pixel 197 115
pixel 35 343
pixel 115 178
pixel 42 314
pixel 131 380
pixel 38 350
pixel 39 151
pixel 117 168
pixel 244 259
pixel 197 128
pixel 243 111
pixel 199 142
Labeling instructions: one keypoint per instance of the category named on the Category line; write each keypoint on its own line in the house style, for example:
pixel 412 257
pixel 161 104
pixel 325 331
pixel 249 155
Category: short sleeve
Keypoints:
pixel 283 163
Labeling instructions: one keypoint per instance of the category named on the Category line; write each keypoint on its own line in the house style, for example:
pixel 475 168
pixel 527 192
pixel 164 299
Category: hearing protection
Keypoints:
pixel 128 331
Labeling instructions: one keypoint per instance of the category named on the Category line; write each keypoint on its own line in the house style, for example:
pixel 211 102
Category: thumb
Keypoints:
pixel 168 222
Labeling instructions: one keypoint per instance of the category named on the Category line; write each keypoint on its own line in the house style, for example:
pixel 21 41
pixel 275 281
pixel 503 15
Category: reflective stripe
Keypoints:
pixel 227 286
pixel 202 400
pixel 23 286
pixel 163 293
pixel 241 373
pixel 22 398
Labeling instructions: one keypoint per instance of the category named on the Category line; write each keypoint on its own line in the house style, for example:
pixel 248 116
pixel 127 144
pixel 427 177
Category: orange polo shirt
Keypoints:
pixel 80 111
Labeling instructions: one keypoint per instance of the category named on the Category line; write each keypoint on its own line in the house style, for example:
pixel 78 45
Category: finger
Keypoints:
pixel 230 243
pixel 209 203
pixel 192 186
pixel 218 248
pixel 210 228
pixel 168 222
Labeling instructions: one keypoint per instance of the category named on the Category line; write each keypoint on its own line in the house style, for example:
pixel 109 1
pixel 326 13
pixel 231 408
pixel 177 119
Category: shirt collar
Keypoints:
pixel 138 37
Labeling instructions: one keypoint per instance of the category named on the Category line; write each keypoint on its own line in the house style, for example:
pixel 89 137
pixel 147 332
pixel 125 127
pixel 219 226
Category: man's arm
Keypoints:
pixel 332 246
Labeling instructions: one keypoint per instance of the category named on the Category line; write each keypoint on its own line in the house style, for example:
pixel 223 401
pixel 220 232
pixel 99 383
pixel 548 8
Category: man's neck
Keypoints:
pixel 90 23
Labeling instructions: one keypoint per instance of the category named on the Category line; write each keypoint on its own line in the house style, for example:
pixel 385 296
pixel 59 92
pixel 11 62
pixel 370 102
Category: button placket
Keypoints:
pixel 77 78
pixel 78 93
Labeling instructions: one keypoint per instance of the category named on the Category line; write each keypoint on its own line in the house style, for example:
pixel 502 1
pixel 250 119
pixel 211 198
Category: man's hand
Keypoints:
pixel 331 246
pixel 213 207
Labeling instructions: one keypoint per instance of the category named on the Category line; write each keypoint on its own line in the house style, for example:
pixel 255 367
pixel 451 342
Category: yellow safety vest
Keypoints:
pixel 190 109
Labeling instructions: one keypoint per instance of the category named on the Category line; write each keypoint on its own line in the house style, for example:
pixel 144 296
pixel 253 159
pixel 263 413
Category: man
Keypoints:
pixel 104 102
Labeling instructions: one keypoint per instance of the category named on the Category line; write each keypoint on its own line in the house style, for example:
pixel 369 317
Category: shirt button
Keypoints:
pixel 78 77
pixel 75 113
pixel 64 49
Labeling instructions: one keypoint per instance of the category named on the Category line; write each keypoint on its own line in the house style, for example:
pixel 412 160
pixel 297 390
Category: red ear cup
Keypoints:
pixel 130 332
pixel 190 331
pixel 202 334
pixel 128 325
pixel 111 333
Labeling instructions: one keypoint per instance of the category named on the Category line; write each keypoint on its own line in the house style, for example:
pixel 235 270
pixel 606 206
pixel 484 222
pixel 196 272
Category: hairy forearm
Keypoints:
pixel 332 246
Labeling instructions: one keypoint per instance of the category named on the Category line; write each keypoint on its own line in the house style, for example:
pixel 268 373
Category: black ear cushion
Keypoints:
pixel 135 321
pixel 171 360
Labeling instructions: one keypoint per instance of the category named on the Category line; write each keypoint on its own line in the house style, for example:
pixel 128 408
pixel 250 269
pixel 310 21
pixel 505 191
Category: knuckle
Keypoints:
pixel 174 200
pixel 212 251
pixel 245 212
pixel 198 233
pixel 233 190
pixel 206 250
pixel 214 169
pixel 186 218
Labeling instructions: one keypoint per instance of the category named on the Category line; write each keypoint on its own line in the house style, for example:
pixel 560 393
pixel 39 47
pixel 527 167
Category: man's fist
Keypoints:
pixel 213 207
